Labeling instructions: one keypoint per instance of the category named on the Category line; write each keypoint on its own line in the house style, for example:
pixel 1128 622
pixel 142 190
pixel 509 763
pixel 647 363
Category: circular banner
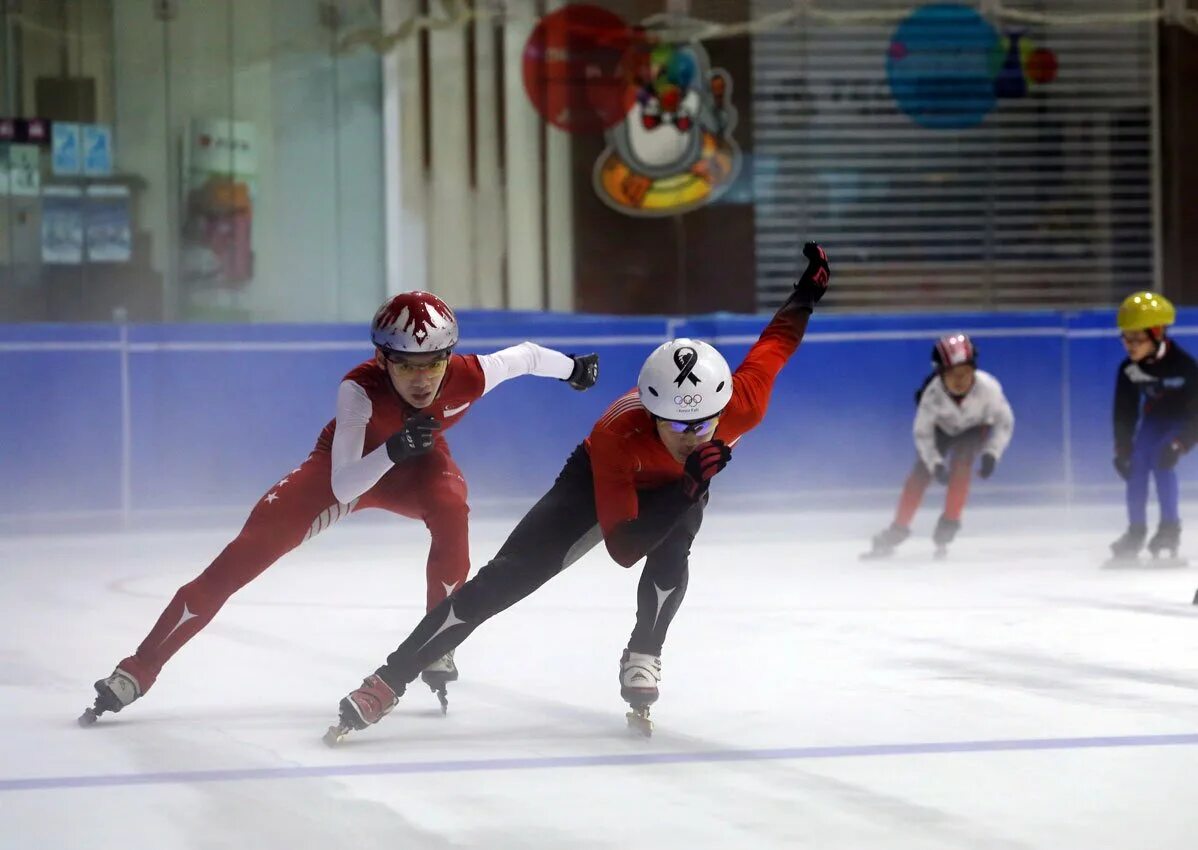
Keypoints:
pixel 579 68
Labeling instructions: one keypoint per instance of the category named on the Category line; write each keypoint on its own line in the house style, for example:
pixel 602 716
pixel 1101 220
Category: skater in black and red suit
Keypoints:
pixel 639 483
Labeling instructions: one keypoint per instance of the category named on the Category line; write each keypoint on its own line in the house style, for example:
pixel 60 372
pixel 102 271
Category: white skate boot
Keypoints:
pixel 639 675
pixel 438 674
pixel 112 694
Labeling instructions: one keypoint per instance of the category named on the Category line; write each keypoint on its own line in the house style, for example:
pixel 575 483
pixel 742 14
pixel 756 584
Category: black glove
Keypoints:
pixel 701 466
pixel 1170 454
pixel 986 469
pixel 586 371
pixel 415 438
pixel 940 473
pixel 1123 466
pixel 812 285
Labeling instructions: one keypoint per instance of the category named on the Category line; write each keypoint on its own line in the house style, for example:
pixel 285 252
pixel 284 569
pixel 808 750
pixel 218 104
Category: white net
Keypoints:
pixel 676 27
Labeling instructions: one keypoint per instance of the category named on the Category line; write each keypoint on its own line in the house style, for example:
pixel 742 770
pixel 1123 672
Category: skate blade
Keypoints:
pixel 1163 563
pixel 1167 557
pixel 1166 562
pixel 639 722
pixel 438 679
pixel 442 697
pixel 88 717
pixel 336 734
pixel 874 556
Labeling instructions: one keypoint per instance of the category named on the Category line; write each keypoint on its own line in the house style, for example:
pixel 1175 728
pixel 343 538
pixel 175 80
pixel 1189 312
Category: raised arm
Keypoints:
pixel 809 289
pixel 754 377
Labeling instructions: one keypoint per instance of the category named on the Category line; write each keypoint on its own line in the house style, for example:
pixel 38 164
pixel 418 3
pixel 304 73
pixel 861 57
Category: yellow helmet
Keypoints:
pixel 1144 310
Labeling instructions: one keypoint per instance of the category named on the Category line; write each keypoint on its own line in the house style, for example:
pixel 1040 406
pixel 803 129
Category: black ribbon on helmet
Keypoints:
pixel 685 359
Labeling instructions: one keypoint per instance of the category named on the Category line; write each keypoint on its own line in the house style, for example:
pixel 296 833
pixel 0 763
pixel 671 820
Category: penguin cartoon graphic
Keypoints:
pixel 674 151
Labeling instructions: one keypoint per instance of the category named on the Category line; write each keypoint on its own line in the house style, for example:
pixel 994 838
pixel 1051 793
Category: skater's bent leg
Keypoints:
pixel 1167 493
pixel 962 450
pixel 432 489
pixel 505 580
pixel 663 585
pixel 1156 436
pixel 913 490
pixel 1143 459
pixel 275 526
pixel 959 476
pixel 1168 532
pixel 540 546
pixel 446 515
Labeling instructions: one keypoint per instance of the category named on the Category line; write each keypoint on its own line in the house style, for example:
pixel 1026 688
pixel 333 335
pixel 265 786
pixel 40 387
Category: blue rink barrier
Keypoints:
pixel 141 419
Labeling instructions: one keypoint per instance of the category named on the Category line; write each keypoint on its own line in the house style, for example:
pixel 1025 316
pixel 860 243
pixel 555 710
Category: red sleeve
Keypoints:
pixel 615 482
pixel 753 380
pixel 467 376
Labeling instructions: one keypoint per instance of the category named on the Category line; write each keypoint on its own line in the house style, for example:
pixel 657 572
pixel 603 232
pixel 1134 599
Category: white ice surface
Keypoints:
pixel 786 641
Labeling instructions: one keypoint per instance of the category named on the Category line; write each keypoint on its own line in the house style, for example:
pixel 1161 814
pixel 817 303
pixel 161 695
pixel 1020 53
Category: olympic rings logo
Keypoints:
pixel 688 400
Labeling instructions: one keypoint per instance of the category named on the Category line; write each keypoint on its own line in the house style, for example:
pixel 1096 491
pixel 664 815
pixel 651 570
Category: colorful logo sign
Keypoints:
pixel 673 151
pixel 948 67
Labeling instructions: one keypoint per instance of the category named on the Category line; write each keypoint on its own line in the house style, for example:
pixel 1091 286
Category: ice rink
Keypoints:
pixel 1017 695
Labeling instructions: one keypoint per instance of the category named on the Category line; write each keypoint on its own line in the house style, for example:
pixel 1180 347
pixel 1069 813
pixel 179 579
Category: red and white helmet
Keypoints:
pixel 414 323
pixel 953 350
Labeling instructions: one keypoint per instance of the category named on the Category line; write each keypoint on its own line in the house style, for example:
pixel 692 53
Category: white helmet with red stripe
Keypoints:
pixel 685 380
pixel 414 323
pixel 954 350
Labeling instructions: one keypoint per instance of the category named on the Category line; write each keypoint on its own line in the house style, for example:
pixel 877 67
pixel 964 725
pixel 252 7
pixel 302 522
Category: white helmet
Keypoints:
pixel 685 380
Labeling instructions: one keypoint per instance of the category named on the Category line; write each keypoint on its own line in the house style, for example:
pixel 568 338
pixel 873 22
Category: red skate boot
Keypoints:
pixel 363 707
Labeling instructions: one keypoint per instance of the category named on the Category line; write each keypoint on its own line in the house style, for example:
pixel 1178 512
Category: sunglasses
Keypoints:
pixel 701 428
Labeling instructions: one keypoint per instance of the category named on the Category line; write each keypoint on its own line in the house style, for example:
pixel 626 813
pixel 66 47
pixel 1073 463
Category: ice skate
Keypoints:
pixel 639 675
pixel 438 674
pixel 946 529
pixel 1126 550
pixel 1166 540
pixel 112 694
pixel 885 542
pixel 363 707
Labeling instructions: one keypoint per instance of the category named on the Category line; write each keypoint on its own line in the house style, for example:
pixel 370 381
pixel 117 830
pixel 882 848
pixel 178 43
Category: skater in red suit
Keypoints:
pixel 384 449
pixel 962 414
pixel 639 484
